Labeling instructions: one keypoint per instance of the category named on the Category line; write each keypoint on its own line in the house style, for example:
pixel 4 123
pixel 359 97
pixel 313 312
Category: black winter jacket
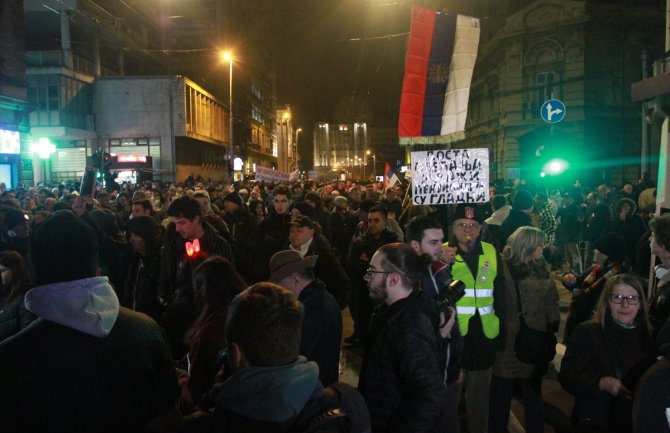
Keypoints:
pixel 400 378
pixel 57 379
pixel 14 316
pixel 587 359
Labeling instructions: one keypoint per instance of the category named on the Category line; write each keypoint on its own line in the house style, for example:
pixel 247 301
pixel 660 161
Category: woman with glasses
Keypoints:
pixel 529 290
pixel 606 356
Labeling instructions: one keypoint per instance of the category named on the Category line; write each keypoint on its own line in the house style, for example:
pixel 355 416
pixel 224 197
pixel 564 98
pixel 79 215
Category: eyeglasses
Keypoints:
pixel 465 226
pixel 631 299
pixel 370 273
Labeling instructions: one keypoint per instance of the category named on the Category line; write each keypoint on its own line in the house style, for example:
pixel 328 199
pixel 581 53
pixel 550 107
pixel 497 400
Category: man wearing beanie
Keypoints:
pixel 16 232
pixel 609 259
pixel 321 215
pixel 242 227
pixel 519 215
pixel 86 364
pixel 478 265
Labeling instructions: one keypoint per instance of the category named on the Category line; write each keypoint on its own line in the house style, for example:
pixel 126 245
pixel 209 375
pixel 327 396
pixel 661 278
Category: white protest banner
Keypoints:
pixel 271 175
pixel 450 176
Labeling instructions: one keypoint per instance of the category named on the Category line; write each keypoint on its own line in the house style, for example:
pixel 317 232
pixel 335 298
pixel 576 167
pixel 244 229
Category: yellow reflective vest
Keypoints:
pixel 478 292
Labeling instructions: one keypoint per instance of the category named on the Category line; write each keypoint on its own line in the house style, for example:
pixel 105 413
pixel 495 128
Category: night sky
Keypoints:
pixel 339 60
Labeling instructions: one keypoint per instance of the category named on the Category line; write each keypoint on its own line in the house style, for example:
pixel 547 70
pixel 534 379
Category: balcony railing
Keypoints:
pixel 54 59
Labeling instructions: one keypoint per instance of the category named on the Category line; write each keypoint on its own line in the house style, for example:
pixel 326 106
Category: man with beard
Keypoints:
pixel 426 235
pixel 400 378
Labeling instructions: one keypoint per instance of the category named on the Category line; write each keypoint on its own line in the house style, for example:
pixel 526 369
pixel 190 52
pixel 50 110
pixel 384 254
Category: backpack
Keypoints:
pixel 324 414
pixel 328 413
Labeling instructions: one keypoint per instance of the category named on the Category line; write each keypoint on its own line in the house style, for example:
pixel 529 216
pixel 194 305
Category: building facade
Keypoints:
pixel 584 53
pixel 14 108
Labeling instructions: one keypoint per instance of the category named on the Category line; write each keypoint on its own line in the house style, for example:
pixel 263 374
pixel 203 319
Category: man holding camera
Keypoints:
pixel 477 264
pixel 400 378
pixel 426 235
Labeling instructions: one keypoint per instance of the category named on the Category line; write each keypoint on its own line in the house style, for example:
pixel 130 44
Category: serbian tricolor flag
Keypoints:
pixel 387 175
pixel 441 56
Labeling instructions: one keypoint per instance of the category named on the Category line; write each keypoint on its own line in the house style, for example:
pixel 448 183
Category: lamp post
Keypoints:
pixel 229 57
pixel 295 149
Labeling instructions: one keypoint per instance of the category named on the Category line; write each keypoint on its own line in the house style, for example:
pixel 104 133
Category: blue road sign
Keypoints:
pixel 552 111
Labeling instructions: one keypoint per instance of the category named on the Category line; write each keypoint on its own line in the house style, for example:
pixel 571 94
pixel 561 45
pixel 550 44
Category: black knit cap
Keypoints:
pixel 613 245
pixel 234 198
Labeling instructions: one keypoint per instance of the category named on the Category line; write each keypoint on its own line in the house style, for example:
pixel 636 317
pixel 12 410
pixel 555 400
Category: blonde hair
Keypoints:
pixel 521 244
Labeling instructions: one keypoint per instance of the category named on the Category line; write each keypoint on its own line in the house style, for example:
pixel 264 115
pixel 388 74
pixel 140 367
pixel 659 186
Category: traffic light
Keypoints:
pixel 554 167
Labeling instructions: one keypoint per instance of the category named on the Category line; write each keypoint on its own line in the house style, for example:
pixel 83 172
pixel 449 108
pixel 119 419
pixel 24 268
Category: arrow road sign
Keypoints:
pixel 552 111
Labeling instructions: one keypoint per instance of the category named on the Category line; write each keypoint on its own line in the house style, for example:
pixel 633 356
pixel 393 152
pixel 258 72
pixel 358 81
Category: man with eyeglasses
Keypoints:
pixel 478 312
pixel 400 378
pixel 272 233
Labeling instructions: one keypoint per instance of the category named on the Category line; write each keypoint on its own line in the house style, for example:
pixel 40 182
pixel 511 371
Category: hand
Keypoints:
pixel 449 254
pixel 446 327
pixel 569 280
pixel 614 386
pixel 461 377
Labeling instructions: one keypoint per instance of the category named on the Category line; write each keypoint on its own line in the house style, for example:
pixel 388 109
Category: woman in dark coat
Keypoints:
pixel 525 267
pixel 215 284
pixel 605 358
pixel 16 281
pixel 609 257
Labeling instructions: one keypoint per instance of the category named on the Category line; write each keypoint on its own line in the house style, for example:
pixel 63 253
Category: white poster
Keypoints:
pixel 271 175
pixel 450 176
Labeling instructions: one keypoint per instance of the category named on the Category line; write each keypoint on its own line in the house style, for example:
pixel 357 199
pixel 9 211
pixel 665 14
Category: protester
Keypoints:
pixel 605 358
pixel 140 289
pixel 16 281
pixel 272 388
pixel 305 237
pixel 426 236
pixel 531 289
pixel 479 313
pixel 609 256
pixel 321 334
pixel 215 284
pixel 360 252
pixel 85 364
pixel 400 378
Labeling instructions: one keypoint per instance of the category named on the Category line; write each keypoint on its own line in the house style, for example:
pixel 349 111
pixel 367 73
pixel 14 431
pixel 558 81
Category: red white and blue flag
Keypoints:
pixel 440 60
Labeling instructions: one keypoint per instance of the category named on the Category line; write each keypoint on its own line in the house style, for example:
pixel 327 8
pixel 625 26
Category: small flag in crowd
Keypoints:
pixel 387 175
pixel 441 56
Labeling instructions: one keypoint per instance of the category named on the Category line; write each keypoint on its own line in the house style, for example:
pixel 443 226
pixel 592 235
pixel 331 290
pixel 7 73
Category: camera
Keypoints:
pixel 449 295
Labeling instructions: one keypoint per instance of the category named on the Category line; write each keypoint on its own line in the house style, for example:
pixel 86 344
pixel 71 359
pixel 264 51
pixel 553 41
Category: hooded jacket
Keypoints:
pixel 85 365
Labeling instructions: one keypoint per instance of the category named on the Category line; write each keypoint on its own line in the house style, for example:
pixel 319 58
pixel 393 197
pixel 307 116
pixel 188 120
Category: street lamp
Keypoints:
pixel 295 150
pixel 229 57
pixel 374 162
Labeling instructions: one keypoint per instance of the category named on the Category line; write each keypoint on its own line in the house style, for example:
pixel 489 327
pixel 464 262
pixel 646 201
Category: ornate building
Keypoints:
pixel 584 53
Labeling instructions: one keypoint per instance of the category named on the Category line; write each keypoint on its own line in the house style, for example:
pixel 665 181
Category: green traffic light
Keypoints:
pixel 555 167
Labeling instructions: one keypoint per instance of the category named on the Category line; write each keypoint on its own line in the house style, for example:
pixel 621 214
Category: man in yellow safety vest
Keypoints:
pixel 478 312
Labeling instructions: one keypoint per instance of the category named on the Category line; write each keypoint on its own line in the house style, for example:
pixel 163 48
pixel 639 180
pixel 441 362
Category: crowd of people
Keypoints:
pixel 203 306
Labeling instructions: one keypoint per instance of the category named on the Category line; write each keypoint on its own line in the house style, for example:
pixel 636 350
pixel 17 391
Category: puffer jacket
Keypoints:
pixel 539 299
pixel 14 316
pixel 400 378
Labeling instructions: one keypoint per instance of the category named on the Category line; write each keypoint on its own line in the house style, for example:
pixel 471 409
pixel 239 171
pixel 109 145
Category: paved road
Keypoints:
pixel 558 402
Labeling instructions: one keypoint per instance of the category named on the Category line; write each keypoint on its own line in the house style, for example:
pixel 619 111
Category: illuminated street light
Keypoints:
pixel 295 150
pixel 229 58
